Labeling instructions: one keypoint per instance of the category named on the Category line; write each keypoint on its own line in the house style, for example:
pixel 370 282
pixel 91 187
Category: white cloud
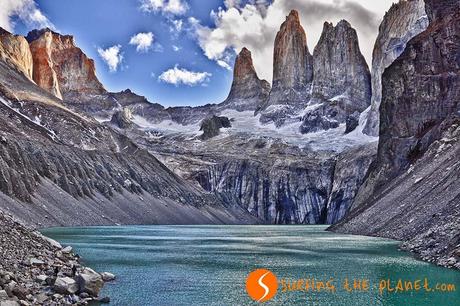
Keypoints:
pixel 178 76
pixel 255 25
pixel 142 41
pixel 26 10
pixel 111 56
pixel 176 26
pixel 176 48
pixel 174 7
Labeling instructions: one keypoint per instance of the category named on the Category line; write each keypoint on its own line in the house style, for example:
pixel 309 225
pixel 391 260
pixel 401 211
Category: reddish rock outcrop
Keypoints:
pixel 292 73
pixel 60 66
pixel 248 92
pixel 401 23
pixel 292 62
pixel 15 50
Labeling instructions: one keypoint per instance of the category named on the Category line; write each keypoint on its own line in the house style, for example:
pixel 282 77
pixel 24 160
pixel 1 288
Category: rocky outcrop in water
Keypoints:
pixel 248 92
pixel 60 67
pixel 292 72
pixel 14 49
pixel 403 21
pixel 412 193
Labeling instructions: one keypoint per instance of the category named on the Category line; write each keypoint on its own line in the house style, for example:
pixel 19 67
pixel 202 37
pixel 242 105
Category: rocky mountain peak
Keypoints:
pixel 248 92
pixel 15 50
pixel 401 23
pixel 243 65
pixel 3 31
pixel 342 81
pixel 293 17
pixel 292 73
pixel 339 67
pixel 292 60
pixel 60 67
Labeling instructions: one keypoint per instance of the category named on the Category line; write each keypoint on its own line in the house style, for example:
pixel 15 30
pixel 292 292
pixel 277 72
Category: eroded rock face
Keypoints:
pixel 60 67
pixel 280 192
pixel 123 118
pixel 14 49
pixel 411 119
pixel 292 72
pixel 340 69
pixel 350 172
pixel 248 92
pixel 403 21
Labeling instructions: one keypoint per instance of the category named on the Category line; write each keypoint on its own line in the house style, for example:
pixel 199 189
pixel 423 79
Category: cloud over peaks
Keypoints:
pixel 180 76
pixel 142 41
pixel 26 10
pixel 111 56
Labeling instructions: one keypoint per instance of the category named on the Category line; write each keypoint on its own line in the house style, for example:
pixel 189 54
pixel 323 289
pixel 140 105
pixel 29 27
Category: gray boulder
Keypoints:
pixel 65 285
pixel 211 126
pixel 90 282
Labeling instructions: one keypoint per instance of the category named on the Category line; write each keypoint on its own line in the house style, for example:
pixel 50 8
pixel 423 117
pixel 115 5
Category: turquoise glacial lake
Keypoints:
pixel 208 265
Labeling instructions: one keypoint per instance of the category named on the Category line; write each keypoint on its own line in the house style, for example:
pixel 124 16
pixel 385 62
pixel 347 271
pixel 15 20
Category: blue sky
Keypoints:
pixel 199 53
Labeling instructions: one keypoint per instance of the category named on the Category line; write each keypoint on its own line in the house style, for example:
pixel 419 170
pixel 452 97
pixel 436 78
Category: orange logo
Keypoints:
pixel 261 285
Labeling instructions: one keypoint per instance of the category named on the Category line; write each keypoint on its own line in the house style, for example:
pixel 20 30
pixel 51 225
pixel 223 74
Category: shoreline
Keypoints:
pixel 37 270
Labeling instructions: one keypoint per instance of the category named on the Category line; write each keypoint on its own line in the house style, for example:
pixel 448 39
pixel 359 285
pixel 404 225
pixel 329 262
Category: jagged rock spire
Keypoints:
pixel 292 61
pixel 339 67
pixel 248 92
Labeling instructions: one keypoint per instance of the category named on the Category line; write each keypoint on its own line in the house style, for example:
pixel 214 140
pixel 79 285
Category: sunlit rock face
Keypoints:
pixel 292 72
pixel 14 49
pixel 248 92
pixel 60 67
pixel 402 22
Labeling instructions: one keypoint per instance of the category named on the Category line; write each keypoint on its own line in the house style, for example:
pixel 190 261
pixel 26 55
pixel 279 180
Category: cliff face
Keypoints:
pixel 292 72
pixel 340 69
pixel 14 49
pixel 248 92
pixel 60 67
pixel 402 22
pixel 341 83
pixel 292 65
pixel 280 192
pixel 418 151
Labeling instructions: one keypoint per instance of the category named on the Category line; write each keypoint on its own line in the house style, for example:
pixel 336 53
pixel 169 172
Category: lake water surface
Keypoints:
pixel 208 265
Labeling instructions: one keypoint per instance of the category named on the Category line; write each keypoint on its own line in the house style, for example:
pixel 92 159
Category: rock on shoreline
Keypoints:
pixel 36 270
